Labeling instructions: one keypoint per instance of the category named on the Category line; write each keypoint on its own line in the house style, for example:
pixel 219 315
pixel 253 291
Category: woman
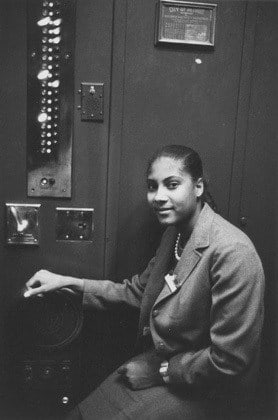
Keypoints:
pixel 201 308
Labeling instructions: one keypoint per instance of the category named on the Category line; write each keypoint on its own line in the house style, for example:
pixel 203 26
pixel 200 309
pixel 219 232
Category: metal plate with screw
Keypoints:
pixel 91 101
pixel 74 224
pixel 22 224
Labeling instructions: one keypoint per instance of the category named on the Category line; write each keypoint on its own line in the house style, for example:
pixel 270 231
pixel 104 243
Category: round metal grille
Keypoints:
pixel 51 321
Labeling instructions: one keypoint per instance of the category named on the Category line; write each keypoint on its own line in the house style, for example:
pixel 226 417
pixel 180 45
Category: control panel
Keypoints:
pixel 50 90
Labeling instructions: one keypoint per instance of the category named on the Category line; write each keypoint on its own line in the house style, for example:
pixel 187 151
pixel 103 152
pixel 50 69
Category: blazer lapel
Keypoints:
pixel 156 281
pixel 191 254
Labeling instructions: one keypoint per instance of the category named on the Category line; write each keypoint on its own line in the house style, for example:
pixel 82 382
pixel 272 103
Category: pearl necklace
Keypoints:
pixel 176 247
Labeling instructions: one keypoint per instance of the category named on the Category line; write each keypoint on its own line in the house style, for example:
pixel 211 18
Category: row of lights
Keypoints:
pixel 49 75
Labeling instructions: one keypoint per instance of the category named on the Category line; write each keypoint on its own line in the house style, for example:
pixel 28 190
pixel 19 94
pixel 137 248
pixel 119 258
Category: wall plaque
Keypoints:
pixel 182 22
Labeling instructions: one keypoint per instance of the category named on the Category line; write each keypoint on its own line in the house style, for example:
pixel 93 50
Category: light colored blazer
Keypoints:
pixel 208 325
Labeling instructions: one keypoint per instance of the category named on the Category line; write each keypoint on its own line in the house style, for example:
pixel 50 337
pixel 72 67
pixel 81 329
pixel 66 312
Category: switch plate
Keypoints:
pixel 91 101
pixel 22 224
pixel 74 224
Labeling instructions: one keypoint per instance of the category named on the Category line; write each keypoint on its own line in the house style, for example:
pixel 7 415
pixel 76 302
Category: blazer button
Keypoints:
pixel 161 346
pixel 155 312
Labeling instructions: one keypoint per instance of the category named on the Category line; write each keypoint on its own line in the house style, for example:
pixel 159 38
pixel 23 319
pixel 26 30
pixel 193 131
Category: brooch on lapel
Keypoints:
pixel 172 282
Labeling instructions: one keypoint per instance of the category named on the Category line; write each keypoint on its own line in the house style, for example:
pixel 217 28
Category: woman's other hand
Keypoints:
pixel 142 371
pixel 44 281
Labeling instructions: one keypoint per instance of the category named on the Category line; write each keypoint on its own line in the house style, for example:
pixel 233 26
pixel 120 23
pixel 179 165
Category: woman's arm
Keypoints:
pixel 99 294
pixel 44 281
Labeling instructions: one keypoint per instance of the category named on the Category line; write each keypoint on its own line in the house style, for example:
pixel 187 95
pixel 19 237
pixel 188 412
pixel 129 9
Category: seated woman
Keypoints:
pixel 201 308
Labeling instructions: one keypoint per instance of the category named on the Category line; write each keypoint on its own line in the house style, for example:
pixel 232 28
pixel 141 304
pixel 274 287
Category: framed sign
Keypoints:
pixel 183 22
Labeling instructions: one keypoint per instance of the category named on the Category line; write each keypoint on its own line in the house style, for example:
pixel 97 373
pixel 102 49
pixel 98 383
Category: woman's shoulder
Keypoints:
pixel 224 233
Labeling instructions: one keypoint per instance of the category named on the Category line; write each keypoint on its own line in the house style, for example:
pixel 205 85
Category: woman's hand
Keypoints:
pixel 44 281
pixel 142 371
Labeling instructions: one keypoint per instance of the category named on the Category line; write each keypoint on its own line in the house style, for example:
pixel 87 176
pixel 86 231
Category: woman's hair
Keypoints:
pixel 192 164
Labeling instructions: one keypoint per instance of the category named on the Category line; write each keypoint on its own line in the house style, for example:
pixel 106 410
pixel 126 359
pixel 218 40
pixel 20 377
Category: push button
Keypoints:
pixel 155 312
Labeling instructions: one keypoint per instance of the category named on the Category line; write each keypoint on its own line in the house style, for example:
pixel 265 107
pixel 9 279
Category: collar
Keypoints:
pixel 200 237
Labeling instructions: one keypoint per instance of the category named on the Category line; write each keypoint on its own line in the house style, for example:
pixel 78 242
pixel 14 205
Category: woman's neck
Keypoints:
pixel 187 228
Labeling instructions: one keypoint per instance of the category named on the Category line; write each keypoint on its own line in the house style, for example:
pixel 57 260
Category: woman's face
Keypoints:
pixel 172 193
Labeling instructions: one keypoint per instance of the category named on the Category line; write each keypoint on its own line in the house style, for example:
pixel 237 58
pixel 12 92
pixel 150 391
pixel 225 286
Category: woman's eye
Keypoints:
pixel 151 187
pixel 172 185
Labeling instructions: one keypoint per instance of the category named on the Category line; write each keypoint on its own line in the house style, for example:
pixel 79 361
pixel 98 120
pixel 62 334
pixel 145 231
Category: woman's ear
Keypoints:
pixel 199 187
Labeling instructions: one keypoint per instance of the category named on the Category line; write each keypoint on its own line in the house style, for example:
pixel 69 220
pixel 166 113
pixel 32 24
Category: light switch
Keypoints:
pixel 22 224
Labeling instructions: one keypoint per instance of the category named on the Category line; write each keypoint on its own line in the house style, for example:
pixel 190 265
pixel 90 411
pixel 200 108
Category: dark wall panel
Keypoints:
pixel 259 189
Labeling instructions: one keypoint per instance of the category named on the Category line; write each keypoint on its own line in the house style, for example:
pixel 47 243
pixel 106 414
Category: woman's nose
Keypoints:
pixel 160 195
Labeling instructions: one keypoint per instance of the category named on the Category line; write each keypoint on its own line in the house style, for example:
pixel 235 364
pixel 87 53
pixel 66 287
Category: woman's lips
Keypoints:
pixel 163 211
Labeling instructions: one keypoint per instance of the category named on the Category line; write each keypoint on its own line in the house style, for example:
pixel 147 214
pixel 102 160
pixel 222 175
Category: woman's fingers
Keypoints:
pixel 34 291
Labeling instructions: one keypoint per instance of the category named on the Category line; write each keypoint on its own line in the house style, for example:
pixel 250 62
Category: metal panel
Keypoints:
pixel 91 101
pixel 22 224
pixel 74 224
pixel 50 97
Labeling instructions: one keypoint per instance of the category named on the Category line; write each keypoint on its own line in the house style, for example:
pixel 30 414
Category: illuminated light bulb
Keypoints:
pixel 50 67
pixel 49 118
pixel 42 117
pixel 50 58
pixel 56 22
pixel 55 31
pixel 49 101
pixel 48 150
pixel 44 21
pixel 48 134
pixel 55 40
pixel 43 74
pixel 50 49
pixel 51 4
pixel 49 109
pixel 55 84
pixel 48 143
pixel 50 13
pixel 49 126
pixel 49 92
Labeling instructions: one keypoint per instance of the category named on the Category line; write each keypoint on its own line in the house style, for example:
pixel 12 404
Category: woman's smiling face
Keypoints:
pixel 173 194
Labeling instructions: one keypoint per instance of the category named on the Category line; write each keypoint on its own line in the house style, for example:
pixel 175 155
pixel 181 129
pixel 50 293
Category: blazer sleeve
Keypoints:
pixel 236 318
pixel 101 294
